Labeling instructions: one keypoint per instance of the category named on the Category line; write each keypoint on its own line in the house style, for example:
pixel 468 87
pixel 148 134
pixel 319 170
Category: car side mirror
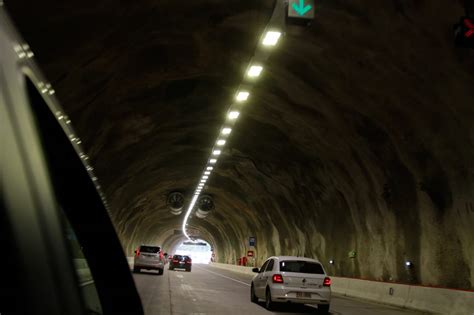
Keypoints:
pixel 255 270
pixel 135 251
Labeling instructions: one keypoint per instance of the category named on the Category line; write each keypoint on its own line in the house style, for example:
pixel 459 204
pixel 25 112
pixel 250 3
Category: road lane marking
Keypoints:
pixel 218 274
pixel 179 276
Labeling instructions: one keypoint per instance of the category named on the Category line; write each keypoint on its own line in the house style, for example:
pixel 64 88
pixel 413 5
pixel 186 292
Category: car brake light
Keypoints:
pixel 277 279
pixel 137 252
pixel 175 260
pixel 327 282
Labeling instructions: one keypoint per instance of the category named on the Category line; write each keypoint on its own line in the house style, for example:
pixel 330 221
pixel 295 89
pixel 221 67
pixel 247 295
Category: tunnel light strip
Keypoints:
pixel 268 41
pixel 188 213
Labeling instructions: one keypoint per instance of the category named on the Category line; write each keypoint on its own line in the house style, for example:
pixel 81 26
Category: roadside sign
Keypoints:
pixel 250 253
pixel 301 9
pixel 252 241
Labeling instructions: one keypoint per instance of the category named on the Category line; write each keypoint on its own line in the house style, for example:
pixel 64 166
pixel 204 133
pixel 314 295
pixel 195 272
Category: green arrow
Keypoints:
pixel 301 9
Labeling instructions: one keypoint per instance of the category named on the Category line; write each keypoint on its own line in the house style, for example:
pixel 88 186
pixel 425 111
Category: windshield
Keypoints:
pixel 301 266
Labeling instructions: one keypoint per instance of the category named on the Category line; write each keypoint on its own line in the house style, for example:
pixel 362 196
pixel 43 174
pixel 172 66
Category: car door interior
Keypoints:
pixel 53 224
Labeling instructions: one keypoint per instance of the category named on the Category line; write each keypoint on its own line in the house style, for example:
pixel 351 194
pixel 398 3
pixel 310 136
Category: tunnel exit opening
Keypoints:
pixel 199 250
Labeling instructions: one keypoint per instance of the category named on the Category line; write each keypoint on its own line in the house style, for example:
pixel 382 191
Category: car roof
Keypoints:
pixel 294 258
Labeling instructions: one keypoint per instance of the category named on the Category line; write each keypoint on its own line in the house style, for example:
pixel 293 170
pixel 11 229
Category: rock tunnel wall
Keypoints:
pixel 359 136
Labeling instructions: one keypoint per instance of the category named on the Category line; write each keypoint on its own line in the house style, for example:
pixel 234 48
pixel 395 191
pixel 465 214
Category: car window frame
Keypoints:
pixel 264 266
pixel 271 263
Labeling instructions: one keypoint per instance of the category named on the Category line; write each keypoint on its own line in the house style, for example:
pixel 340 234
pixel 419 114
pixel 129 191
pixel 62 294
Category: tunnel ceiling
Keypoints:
pixel 358 137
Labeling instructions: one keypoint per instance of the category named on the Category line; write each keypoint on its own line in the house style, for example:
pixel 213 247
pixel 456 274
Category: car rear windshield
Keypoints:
pixel 150 249
pixel 301 266
pixel 179 257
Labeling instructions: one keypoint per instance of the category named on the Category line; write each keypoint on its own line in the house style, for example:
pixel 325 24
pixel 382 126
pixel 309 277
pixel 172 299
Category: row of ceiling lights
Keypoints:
pixel 270 39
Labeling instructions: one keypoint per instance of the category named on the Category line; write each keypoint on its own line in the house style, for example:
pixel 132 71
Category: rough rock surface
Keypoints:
pixel 359 136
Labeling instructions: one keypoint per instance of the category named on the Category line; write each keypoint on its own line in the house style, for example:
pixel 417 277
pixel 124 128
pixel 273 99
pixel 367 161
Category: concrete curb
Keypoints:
pixel 426 299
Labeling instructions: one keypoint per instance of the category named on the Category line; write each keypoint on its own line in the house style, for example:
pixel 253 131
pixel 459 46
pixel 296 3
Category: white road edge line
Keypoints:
pixel 225 276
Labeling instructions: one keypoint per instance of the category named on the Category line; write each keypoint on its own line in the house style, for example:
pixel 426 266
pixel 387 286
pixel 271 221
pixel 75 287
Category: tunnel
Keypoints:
pixel 355 145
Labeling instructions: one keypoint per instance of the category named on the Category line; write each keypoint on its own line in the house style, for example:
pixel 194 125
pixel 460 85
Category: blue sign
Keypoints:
pixel 252 241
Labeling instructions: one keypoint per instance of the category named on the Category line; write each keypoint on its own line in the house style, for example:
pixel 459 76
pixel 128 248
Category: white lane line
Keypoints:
pixel 218 274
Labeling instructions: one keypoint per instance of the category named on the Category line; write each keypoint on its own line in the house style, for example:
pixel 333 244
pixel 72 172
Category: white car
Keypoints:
pixel 291 279
pixel 149 257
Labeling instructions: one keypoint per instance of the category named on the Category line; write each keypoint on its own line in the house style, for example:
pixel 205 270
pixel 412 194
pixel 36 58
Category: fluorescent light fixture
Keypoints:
pixel 209 168
pixel 254 71
pixel 226 131
pixel 271 38
pixel 207 173
pixel 213 161
pixel 220 142
pixel 203 180
pixel 188 213
pixel 233 115
pixel 216 152
pixel 242 96
pixel 205 177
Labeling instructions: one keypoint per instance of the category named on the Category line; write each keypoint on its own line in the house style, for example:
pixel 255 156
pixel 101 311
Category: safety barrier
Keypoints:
pixel 421 298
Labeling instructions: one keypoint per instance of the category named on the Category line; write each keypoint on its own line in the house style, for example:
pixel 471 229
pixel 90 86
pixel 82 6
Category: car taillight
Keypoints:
pixel 175 260
pixel 137 252
pixel 327 282
pixel 277 279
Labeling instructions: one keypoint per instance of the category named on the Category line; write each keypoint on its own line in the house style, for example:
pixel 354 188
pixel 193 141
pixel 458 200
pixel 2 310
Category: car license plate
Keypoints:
pixel 181 262
pixel 303 294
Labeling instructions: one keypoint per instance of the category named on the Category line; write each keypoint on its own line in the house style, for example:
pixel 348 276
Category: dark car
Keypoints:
pixel 181 262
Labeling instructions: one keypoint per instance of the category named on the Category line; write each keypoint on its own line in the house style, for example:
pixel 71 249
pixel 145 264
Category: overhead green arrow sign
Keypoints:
pixel 302 9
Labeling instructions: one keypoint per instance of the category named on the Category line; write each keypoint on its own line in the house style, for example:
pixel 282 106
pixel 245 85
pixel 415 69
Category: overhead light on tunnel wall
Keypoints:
pixel 207 172
pixel 220 142
pixel 213 161
pixel 216 152
pixel 205 177
pixel 233 115
pixel 226 131
pixel 254 71
pixel 271 38
pixel 209 168
pixel 331 262
pixel 242 96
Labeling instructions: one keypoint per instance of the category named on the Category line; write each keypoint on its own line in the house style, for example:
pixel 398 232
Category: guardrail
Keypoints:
pixel 421 298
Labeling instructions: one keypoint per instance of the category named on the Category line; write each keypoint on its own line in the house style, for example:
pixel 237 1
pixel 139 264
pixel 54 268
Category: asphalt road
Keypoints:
pixel 210 290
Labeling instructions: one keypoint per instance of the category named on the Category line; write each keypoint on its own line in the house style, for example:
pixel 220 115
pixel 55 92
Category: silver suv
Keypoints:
pixel 291 279
pixel 149 257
